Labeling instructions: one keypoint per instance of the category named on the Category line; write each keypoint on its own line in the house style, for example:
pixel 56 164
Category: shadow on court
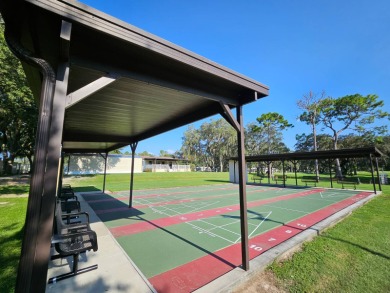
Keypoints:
pixel 104 201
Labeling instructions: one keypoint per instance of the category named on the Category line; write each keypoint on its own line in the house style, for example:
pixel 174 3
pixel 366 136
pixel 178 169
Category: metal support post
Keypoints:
pixel 242 188
pixel 372 173
pixel 42 251
pixel 61 173
pixel 238 125
pixel 330 172
pixel 269 172
pixel 295 171
pixel 68 164
pixel 133 147
pixel 105 171
pixel 377 173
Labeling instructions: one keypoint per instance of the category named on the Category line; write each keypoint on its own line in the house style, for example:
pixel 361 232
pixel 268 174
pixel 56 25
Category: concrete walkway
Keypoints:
pixel 117 273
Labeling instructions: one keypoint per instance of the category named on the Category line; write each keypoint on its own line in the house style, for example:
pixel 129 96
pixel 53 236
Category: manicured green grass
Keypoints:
pixel 13 213
pixel 353 256
pixel 14 189
pixel 120 182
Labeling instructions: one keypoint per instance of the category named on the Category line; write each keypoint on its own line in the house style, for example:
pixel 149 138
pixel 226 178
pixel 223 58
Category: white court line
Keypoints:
pixel 259 224
pixel 287 209
pixel 220 227
pixel 162 209
pixel 209 233
pixel 200 207
pixel 334 194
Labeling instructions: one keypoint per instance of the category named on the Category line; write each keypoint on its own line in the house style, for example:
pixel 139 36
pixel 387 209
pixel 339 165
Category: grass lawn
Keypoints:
pixel 13 213
pixel 120 182
pixel 353 256
pixel 14 189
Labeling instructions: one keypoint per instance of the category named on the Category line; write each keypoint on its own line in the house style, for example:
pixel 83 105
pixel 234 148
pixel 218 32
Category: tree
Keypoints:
pixel 211 145
pixel 255 140
pixel 271 125
pixel 310 104
pixel 18 110
pixel 164 153
pixel 145 154
pixel 305 142
pixel 384 146
pixel 191 147
pixel 352 112
pixel 219 142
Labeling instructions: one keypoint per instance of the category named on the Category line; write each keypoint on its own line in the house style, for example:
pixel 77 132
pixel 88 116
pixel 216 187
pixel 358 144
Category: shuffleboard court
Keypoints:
pixel 183 238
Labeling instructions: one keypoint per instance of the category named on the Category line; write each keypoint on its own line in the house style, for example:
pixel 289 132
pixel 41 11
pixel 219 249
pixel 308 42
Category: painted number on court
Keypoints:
pixel 255 247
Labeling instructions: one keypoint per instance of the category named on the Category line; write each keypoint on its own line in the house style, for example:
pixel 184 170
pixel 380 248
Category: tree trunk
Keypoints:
pixel 29 157
pixel 339 173
pixel 9 164
pixel 4 165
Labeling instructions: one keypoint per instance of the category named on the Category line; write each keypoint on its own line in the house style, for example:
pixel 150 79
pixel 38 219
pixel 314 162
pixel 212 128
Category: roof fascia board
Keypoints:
pixel 97 20
pixel 89 89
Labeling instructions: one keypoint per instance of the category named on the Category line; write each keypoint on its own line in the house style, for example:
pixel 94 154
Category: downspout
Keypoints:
pixel 27 258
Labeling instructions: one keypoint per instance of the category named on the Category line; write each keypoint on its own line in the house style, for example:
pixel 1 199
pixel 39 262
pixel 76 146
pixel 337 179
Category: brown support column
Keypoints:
pixel 42 253
pixel 269 171
pixel 133 147
pixel 105 172
pixel 377 174
pixel 372 174
pixel 238 125
pixel 68 164
pixel 330 172
pixel 242 188
pixel 34 257
pixel 295 171
pixel 61 172
pixel 284 181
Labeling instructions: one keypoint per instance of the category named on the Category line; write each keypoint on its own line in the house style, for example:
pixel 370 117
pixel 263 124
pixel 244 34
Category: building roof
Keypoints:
pixel 163 159
pixel 125 85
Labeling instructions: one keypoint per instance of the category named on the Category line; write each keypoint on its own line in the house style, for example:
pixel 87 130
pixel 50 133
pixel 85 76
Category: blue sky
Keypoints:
pixel 340 47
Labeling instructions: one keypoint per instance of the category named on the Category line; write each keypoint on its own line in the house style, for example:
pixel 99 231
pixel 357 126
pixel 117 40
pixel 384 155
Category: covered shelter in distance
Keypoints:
pixel 102 84
pixel 370 153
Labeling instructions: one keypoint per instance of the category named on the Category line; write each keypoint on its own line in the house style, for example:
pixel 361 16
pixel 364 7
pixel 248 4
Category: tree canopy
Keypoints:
pixel 272 124
pixel 18 110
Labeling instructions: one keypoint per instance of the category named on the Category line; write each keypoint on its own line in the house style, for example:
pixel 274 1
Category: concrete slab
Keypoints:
pixel 116 272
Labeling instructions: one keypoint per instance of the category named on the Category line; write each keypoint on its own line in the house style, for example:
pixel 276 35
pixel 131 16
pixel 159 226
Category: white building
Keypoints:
pixel 83 164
